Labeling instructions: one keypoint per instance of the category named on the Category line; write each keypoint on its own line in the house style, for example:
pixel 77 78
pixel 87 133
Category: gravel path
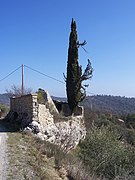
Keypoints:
pixel 3 158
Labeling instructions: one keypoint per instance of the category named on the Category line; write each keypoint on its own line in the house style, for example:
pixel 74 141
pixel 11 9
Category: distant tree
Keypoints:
pixel 17 91
pixel 76 92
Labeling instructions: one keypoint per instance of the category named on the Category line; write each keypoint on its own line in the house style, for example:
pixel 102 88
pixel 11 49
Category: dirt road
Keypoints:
pixel 3 158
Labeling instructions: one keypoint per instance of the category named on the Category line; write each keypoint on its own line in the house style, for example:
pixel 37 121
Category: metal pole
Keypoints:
pixel 22 79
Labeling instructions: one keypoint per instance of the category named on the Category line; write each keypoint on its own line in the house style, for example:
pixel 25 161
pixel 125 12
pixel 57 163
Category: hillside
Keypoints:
pixel 116 105
pixel 4 98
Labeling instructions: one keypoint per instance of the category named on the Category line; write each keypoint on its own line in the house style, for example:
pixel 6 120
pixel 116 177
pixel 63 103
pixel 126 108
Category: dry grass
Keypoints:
pixel 27 162
pixel 33 159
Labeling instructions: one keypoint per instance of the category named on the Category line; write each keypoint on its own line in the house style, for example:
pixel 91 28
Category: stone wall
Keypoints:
pixel 49 102
pixel 25 105
pixel 44 116
pixel 64 109
pixel 27 109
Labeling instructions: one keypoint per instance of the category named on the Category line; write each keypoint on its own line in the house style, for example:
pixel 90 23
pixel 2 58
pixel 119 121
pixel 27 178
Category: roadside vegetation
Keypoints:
pixel 108 150
pixel 106 156
pixel 34 159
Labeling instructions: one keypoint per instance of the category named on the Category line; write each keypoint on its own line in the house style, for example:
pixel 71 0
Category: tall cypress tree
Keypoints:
pixel 75 91
pixel 73 70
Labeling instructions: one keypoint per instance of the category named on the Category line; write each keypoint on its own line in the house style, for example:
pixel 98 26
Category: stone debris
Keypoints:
pixel 64 134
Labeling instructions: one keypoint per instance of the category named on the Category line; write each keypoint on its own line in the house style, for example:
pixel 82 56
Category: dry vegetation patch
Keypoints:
pixel 26 161
pixel 33 159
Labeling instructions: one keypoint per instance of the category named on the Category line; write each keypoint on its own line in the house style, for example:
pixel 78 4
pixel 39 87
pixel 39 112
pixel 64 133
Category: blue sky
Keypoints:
pixel 36 33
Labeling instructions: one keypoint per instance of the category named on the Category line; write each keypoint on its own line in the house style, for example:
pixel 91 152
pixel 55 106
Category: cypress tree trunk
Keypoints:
pixel 74 71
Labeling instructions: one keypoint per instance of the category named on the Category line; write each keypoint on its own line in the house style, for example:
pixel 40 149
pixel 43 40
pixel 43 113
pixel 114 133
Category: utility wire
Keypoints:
pixel 51 77
pixel 10 74
pixel 39 73
pixel 44 74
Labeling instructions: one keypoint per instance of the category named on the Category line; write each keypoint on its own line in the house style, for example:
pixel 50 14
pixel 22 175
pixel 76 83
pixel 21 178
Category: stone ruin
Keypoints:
pixel 39 119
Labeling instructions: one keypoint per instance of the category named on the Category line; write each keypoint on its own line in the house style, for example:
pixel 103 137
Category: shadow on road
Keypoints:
pixel 5 126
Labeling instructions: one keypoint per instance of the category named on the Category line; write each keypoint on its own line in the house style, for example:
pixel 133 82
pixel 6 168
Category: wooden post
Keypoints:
pixel 22 79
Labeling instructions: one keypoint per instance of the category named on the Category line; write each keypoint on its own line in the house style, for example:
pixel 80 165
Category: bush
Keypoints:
pixel 130 136
pixel 130 121
pixel 105 155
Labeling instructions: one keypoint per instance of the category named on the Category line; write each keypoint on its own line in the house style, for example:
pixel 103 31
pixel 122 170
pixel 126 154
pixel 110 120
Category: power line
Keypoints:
pixel 44 74
pixel 51 77
pixel 39 73
pixel 10 74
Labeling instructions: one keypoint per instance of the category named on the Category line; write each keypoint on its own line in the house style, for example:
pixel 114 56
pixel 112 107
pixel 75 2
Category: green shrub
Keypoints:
pixel 40 97
pixel 105 155
pixel 130 136
pixel 101 122
pixel 130 121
